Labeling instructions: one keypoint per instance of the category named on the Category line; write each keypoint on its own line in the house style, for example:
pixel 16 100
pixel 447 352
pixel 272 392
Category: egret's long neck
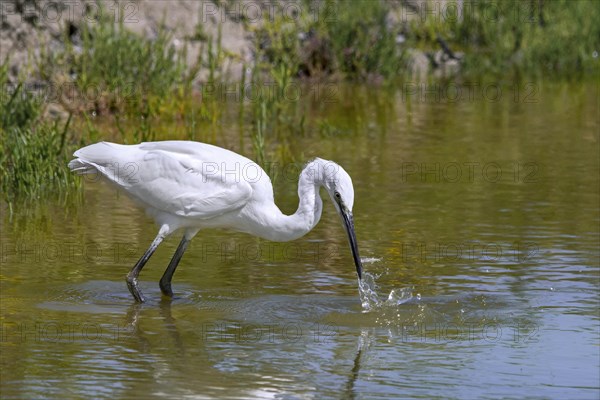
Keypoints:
pixel 282 228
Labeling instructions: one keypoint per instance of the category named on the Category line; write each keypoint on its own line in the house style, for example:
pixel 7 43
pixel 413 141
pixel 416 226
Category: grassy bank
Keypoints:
pixel 508 38
pixel 137 83
pixel 376 39
pixel 32 150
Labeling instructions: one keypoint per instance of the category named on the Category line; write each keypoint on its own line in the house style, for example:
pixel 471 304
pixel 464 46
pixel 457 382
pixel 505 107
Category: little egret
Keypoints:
pixel 191 186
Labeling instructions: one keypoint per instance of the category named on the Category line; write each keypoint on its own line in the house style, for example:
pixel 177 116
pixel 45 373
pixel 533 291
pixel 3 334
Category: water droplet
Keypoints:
pixel 418 296
pixel 551 289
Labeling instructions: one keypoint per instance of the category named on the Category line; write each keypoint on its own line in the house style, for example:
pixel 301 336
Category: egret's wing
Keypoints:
pixel 185 186
pixel 177 182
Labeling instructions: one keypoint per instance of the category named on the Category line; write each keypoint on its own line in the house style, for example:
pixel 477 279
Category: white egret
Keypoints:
pixel 191 186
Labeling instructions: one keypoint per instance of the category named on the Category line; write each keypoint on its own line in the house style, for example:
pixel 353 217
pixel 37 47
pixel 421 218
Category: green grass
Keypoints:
pixel 33 152
pixel 362 43
pixel 140 85
pixel 331 38
pixel 505 38
pixel 131 72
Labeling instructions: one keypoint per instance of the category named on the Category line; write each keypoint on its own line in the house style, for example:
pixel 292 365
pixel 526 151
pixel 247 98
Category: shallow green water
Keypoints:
pixel 485 212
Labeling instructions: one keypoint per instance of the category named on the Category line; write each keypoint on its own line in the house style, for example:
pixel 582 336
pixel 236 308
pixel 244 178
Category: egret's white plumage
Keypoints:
pixel 191 186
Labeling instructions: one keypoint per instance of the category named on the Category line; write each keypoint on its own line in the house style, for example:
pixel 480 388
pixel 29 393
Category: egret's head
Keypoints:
pixel 338 184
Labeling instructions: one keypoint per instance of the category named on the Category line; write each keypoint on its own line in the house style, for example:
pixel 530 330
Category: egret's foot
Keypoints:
pixel 165 288
pixel 132 284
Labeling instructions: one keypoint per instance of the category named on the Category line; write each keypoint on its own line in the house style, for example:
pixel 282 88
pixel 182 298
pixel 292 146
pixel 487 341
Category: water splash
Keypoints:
pixel 369 260
pixel 370 300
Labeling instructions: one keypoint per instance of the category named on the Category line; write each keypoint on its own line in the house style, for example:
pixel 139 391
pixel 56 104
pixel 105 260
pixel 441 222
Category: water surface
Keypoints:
pixel 481 214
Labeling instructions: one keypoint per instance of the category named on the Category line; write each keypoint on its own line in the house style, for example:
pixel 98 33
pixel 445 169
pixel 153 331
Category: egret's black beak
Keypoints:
pixel 349 225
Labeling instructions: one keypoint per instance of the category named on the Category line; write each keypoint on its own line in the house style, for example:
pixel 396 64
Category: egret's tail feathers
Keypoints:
pixel 98 157
pixel 81 168
pixel 99 153
pixel 115 162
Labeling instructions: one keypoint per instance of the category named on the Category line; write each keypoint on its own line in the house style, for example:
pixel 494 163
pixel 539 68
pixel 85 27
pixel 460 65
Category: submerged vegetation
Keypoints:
pixel 135 82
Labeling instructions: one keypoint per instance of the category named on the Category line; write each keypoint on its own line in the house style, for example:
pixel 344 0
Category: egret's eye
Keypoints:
pixel 337 195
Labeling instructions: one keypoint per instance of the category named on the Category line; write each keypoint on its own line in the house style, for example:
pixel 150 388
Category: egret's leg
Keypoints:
pixel 132 276
pixel 165 281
